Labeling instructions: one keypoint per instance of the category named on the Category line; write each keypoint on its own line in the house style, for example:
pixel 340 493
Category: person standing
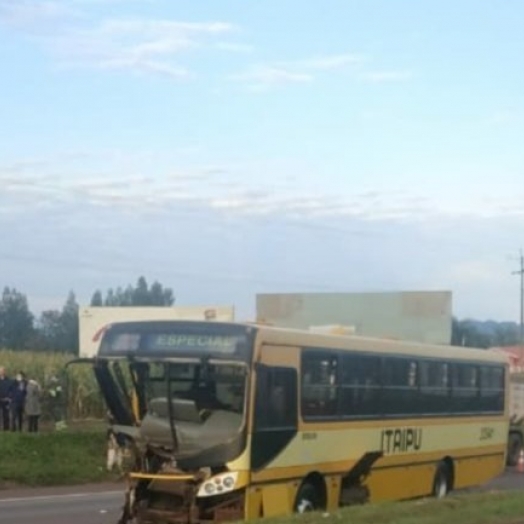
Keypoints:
pixel 57 399
pixel 33 406
pixel 5 398
pixel 18 396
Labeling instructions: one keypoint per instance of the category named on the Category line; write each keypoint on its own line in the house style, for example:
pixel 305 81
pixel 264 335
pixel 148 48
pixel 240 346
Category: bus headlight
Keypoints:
pixel 218 485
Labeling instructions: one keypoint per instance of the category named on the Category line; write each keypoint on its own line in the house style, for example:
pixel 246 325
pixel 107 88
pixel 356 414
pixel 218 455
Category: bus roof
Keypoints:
pixel 283 336
pixel 350 342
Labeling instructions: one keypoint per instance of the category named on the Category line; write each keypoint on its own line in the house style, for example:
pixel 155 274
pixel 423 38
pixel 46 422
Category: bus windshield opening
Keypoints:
pixel 202 401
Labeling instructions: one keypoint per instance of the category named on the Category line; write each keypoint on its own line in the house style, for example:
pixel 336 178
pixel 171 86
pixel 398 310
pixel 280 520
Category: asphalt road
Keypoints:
pixel 101 504
pixel 91 505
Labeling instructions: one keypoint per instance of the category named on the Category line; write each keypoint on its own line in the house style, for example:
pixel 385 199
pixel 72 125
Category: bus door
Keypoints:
pixel 275 421
pixel 123 395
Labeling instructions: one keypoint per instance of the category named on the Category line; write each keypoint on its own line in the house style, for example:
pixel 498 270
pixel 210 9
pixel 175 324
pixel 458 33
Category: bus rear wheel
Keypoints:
pixel 441 481
pixel 307 499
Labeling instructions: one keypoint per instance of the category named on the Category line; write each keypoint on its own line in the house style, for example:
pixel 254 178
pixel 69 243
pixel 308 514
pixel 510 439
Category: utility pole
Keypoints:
pixel 521 273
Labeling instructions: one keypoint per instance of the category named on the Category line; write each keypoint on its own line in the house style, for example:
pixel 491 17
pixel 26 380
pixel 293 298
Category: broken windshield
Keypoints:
pixel 207 402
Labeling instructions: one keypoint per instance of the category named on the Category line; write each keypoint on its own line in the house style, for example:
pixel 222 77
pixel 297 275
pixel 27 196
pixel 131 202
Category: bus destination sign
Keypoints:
pixel 187 343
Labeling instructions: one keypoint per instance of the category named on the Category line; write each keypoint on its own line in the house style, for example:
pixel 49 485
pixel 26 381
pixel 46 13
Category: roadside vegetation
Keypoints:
pixel 483 508
pixel 64 458
pixel 82 395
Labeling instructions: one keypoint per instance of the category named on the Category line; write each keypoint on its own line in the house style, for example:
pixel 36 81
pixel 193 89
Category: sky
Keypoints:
pixel 228 148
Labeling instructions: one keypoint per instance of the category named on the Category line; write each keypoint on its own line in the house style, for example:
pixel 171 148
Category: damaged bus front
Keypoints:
pixel 188 421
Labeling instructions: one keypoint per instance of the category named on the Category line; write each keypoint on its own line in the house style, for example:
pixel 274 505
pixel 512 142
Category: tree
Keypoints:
pixel 473 333
pixel 50 331
pixel 69 322
pixel 58 330
pixel 97 299
pixel 140 295
pixel 16 321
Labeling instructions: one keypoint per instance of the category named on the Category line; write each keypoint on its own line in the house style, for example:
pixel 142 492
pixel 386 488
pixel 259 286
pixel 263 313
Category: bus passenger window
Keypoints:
pixel 319 385
pixel 434 387
pixel 360 386
pixel 492 388
pixel 465 388
pixel 400 383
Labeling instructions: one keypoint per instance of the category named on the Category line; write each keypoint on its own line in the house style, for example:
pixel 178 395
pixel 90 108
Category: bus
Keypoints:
pixel 240 421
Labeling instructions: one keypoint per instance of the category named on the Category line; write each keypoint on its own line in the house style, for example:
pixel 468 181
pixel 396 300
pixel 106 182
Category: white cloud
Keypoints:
pixel 78 38
pixel 145 66
pixel 151 46
pixel 131 184
pixel 329 62
pixel 48 219
pixel 475 271
pixel 261 77
pixel 386 76
pixel 35 15
pixel 234 47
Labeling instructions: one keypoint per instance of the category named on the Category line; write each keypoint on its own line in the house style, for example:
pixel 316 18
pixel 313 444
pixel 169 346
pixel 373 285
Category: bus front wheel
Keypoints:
pixel 441 481
pixel 307 499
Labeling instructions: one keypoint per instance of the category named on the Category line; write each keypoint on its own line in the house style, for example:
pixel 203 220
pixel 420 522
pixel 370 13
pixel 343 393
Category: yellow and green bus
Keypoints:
pixel 241 421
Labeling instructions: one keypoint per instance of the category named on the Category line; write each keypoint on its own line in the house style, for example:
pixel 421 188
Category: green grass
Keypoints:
pixel 485 508
pixel 52 459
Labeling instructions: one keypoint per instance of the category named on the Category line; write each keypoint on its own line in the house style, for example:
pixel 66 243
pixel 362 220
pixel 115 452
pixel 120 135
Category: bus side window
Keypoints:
pixel 319 385
pixel 465 388
pixel 434 387
pixel 360 386
pixel 492 388
pixel 276 398
pixel 400 386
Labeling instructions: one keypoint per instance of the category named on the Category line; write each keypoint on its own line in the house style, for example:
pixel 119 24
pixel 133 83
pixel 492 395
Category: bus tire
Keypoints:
pixel 441 481
pixel 307 499
pixel 514 449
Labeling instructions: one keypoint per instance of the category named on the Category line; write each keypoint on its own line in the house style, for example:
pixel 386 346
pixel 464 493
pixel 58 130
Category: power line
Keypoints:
pixel 521 273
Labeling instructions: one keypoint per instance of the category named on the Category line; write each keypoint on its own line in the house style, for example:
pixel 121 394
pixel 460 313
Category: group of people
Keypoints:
pixel 19 398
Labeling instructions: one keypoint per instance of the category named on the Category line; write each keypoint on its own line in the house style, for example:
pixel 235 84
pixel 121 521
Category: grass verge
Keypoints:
pixel 485 508
pixel 52 459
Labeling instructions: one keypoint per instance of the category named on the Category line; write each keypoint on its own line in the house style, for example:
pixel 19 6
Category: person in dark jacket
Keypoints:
pixel 18 396
pixel 5 398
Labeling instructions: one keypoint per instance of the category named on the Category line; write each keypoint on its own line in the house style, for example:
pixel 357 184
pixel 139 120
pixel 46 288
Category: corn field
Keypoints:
pixel 82 395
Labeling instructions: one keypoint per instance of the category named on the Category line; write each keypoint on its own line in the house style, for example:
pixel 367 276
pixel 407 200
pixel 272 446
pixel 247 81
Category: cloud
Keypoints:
pixel 386 76
pixel 150 46
pixel 144 66
pixel 133 184
pixel 213 220
pixel 234 47
pixel 35 15
pixel 475 271
pixel 261 77
pixel 329 62
pixel 78 38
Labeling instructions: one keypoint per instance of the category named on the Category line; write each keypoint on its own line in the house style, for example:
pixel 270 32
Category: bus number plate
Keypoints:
pixel 308 435
pixel 486 433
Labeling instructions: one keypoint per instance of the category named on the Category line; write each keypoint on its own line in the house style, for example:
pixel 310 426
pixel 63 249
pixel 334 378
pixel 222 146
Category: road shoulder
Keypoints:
pixel 25 492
